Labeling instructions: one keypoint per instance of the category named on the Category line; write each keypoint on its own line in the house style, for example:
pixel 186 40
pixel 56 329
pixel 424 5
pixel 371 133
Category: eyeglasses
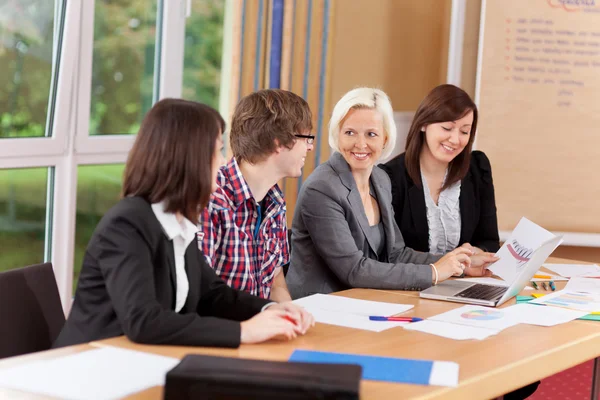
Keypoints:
pixel 310 139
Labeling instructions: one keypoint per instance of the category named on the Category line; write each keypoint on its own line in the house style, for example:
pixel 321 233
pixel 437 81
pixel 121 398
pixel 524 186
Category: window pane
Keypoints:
pixel 22 216
pixel 98 189
pixel 26 37
pixel 123 65
pixel 203 50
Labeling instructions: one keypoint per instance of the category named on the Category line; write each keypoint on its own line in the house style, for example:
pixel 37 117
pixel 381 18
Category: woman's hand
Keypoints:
pixel 453 263
pixel 285 320
pixel 479 264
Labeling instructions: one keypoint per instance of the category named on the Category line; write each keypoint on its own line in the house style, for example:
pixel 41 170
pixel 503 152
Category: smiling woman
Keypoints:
pixel 443 193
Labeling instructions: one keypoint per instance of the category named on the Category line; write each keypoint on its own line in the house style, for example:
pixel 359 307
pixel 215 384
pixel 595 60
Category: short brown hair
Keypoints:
pixel 265 117
pixel 444 103
pixel 171 158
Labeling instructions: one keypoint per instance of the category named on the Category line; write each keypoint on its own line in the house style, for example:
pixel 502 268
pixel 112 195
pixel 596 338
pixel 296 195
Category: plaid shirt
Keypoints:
pixel 245 256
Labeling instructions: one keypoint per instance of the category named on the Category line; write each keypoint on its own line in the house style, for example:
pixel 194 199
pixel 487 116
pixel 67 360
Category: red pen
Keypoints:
pixel 395 319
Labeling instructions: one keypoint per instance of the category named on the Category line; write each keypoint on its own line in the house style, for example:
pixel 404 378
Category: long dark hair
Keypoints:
pixel 171 158
pixel 443 103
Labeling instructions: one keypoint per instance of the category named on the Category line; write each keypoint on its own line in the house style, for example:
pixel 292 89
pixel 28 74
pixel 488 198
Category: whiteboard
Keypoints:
pixel 538 92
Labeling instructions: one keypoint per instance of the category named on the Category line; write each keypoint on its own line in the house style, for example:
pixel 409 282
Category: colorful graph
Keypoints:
pixel 571 300
pixel 482 315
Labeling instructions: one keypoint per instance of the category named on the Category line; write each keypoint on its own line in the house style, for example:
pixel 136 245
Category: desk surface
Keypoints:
pixel 515 357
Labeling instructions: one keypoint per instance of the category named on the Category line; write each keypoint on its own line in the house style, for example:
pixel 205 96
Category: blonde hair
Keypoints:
pixel 364 98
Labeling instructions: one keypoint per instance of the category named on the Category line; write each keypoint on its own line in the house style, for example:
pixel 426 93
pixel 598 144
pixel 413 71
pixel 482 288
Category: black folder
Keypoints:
pixel 208 377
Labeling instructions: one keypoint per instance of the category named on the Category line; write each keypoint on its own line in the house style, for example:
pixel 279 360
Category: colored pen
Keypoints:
pixel 544 286
pixel 542 276
pixel 552 286
pixel 395 319
pixel 535 285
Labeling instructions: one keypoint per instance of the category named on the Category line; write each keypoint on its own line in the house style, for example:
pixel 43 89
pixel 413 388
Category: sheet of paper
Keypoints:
pixel 106 373
pixel 352 306
pixel 478 316
pixel 579 284
pixel 589 302
pixel 572 270
pixel 534 314
pixel 516 251
pixel 450 331
pixel 485 281
pixel 352 320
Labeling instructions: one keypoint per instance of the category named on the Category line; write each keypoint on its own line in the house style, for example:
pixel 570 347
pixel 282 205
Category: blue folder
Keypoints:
pixel 399 370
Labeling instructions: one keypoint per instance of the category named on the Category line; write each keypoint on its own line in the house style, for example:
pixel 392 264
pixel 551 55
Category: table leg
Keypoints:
pixel 596 380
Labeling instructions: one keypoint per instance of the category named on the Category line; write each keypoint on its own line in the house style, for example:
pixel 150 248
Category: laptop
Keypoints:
pixel 492 295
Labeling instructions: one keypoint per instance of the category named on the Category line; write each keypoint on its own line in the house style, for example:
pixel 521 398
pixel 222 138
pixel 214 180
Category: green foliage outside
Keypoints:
pixel 121 93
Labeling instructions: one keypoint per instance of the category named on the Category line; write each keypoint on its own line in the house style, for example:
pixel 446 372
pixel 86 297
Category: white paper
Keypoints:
pixel 517 250
pixel 589 302
pixel 444 373
pixel 450 331
pixel 352 306
pixel 534 314
pixel 352 320
pixel 478 316
pixel 579 284
pixel 106 373
pixel 571 270
pixel 485 281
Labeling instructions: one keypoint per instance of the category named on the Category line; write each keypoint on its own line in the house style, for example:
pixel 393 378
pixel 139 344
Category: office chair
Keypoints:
pixel 31 314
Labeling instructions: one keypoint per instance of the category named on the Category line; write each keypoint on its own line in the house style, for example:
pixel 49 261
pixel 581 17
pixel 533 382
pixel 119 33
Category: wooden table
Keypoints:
pixel 514 358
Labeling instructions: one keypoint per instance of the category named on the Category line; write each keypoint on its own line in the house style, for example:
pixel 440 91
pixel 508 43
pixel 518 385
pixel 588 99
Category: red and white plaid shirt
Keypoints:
pixel 245 258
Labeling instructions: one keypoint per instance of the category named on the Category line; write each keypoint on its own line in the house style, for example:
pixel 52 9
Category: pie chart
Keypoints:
pixel 482 315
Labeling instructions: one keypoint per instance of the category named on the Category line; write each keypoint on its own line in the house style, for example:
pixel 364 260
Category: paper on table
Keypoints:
pixel 516 251
pixel 353 306
pixel 478 316
pixel 352 320
pixel 450 331
pixel 580 284
pixel 106 373
pixel 533 314
pixel 589 302
pixel 571 270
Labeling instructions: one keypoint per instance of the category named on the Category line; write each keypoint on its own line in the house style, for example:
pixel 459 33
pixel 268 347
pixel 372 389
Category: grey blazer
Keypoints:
pixel 332 248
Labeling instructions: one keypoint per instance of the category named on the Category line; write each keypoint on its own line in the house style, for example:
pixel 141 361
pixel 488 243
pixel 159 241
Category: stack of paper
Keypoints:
pixel 351 313
pixel 582 301
pixel 106 373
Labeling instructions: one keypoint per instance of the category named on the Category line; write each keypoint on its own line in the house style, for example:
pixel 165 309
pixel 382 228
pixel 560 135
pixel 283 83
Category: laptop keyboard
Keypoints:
pixel 482 292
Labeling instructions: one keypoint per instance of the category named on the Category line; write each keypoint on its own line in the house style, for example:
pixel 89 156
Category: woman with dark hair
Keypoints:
pixel 442 192
pixel 143 275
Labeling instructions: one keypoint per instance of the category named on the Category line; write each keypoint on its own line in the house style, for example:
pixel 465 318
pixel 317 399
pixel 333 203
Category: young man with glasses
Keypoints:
pixel 243 231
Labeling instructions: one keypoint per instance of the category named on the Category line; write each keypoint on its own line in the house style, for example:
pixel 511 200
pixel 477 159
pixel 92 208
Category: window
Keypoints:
pixel 98 189
pixel 26 57
pixel 123 65
pixel 23 213
pixel 203 52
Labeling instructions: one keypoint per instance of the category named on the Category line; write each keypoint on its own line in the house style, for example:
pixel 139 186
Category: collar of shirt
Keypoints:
pixel 172 228
pixel 232 182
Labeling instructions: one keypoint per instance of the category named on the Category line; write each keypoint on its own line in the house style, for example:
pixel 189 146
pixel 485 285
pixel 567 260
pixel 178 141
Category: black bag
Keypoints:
pixel 208 377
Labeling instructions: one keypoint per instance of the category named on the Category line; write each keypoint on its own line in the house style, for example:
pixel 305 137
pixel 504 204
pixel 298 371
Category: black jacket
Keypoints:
pixel 479 224
pixel 127 286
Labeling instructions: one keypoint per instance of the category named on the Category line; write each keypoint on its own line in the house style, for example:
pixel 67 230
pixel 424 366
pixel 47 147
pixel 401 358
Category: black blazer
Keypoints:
pixel 127 286
pixel 479 224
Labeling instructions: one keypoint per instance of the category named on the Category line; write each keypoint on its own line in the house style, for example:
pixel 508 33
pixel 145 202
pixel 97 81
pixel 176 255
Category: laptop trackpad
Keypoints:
pixel 449 288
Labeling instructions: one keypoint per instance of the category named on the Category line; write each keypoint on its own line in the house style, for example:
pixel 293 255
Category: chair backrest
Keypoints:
pixel 31 314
